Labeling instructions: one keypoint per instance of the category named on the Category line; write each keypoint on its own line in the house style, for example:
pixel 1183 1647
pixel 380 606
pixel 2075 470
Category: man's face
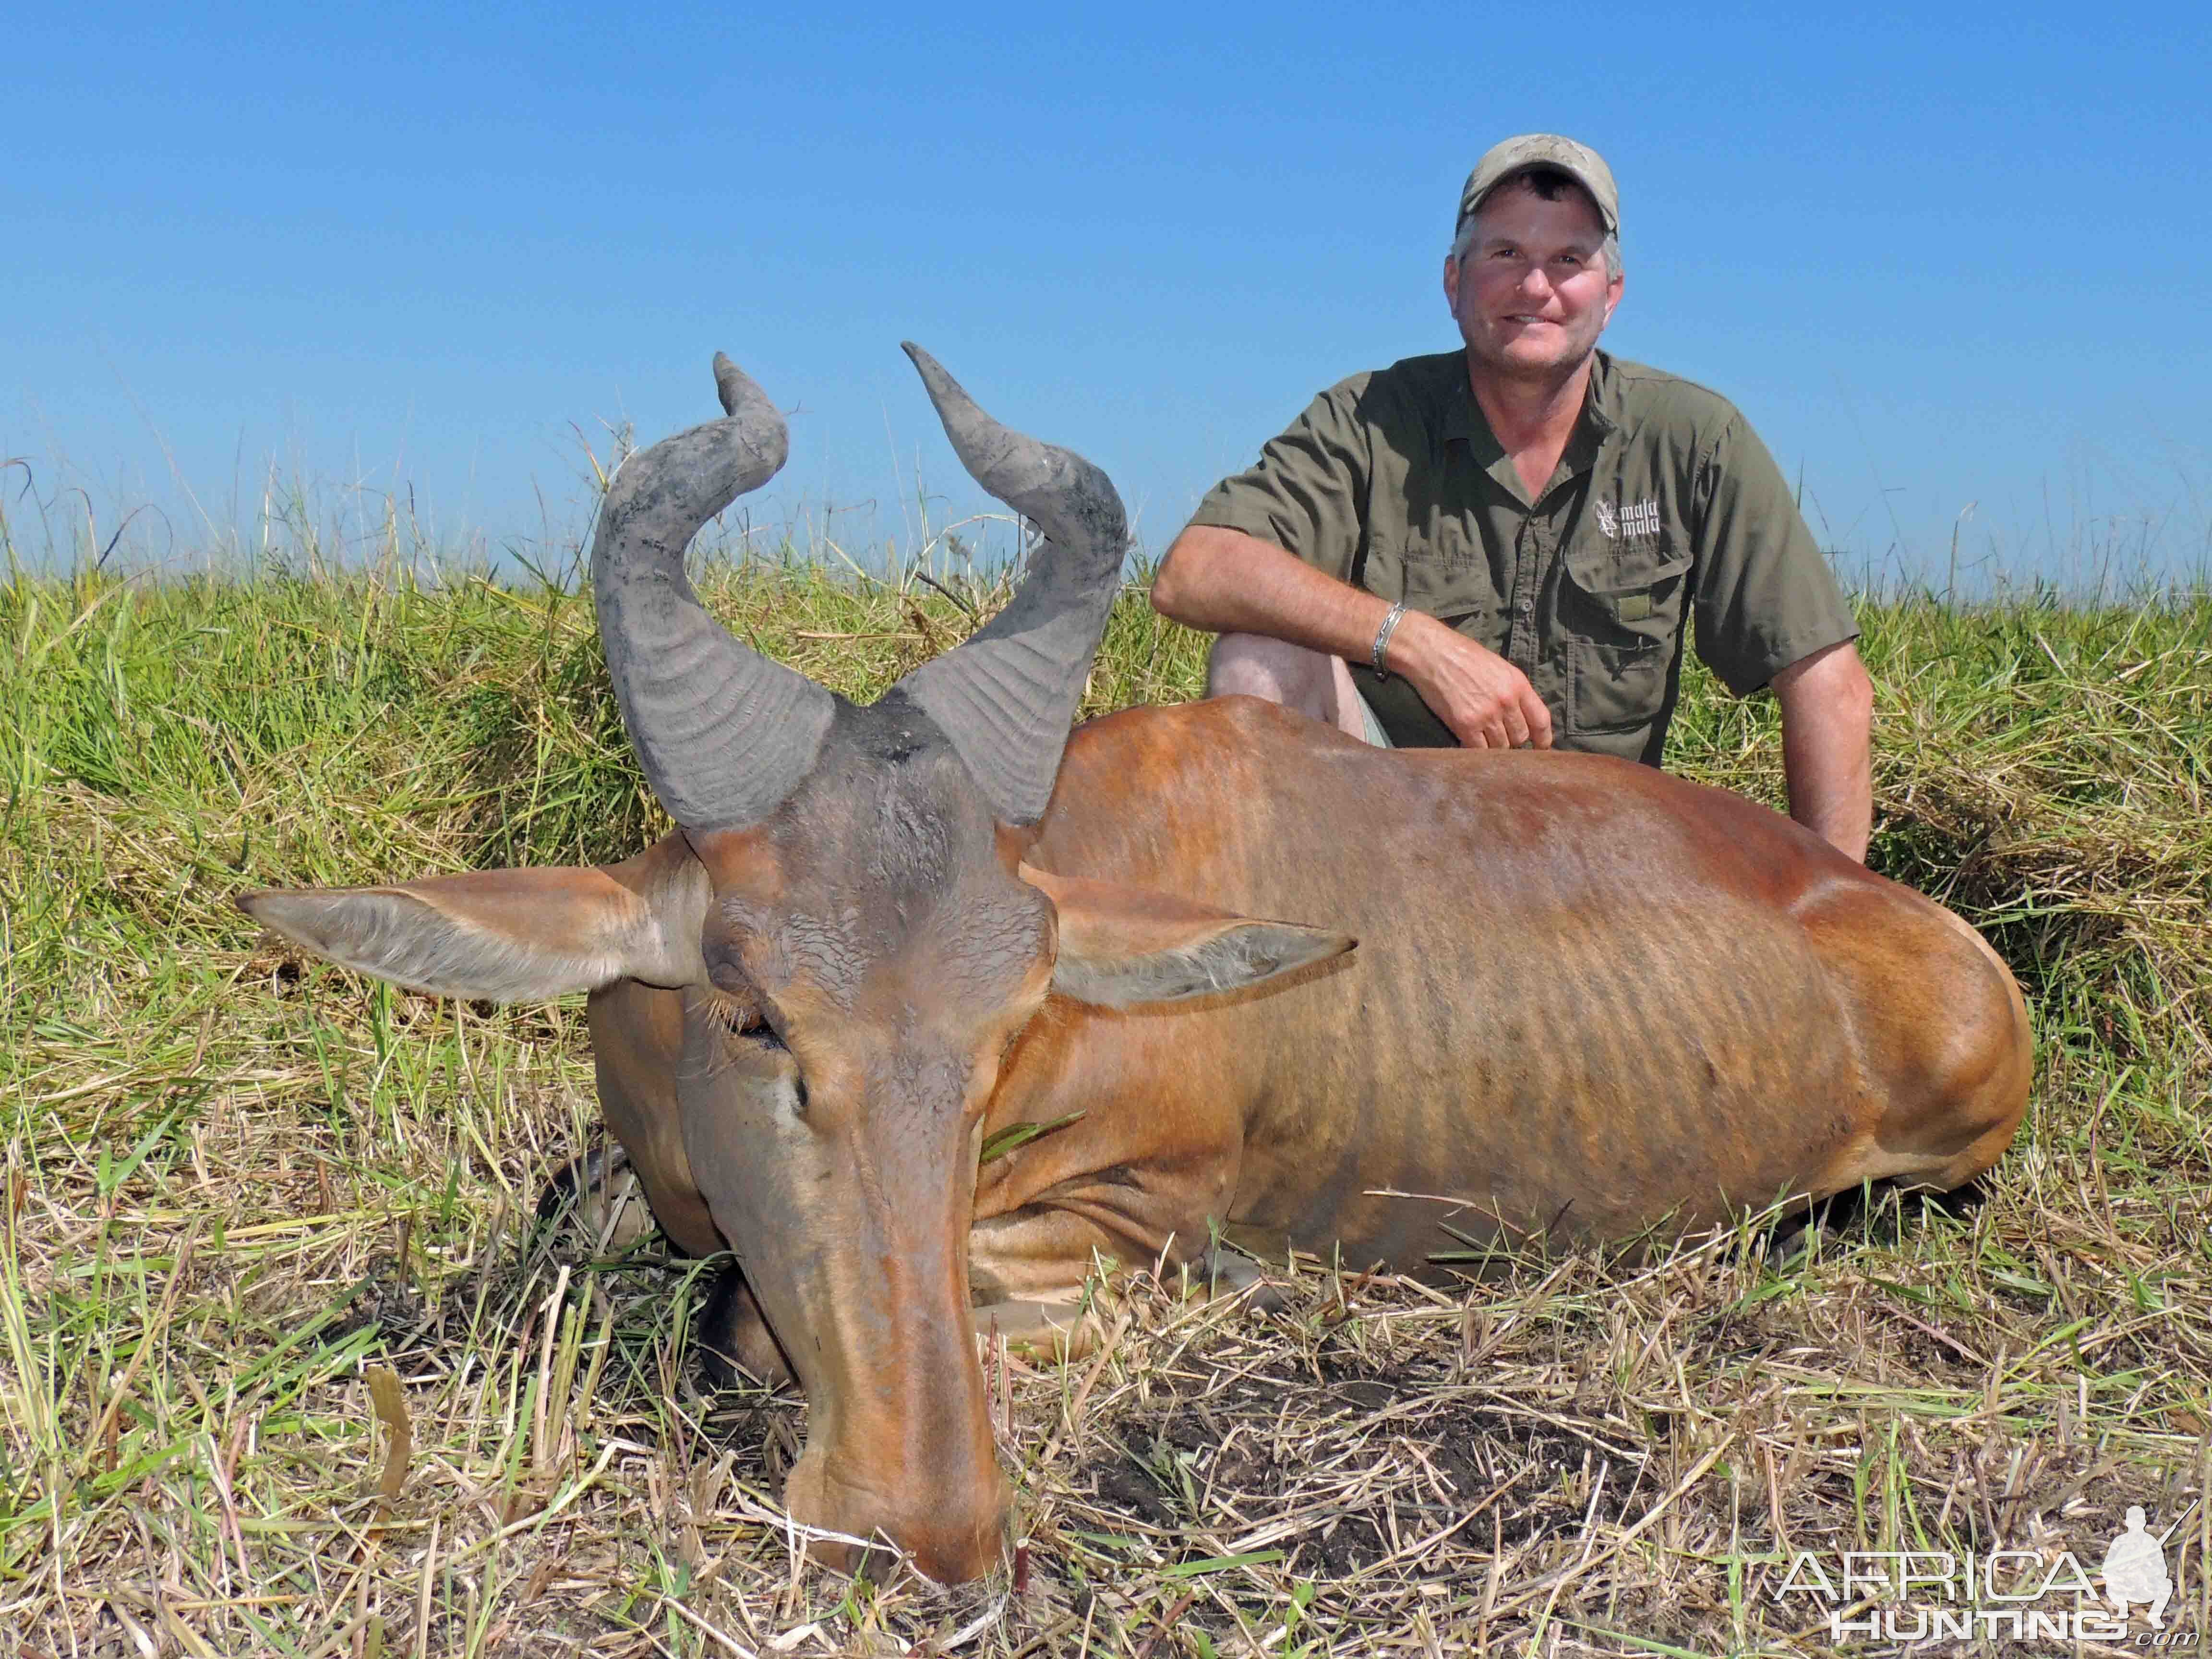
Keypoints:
pixel 1531 295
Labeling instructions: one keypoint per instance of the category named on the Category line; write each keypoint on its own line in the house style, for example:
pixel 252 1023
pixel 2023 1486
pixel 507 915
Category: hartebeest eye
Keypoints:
pixel 739 1017
pixel 740 1008
pixel 756 1028
pixel 746 1017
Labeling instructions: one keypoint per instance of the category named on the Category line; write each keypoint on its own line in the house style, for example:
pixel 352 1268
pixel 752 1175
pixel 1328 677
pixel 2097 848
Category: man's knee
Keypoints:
pixel 1314 683
pixel 1254 666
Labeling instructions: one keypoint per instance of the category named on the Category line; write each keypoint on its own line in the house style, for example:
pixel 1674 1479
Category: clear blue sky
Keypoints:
pixel 1936 262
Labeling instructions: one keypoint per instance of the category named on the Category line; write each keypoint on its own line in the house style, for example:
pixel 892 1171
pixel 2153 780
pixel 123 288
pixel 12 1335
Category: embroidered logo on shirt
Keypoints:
pixel 1641 519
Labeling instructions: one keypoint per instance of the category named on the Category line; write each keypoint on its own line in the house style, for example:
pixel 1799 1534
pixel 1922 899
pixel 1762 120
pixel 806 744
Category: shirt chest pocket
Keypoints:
pixel 1442 570
pixel 1624 594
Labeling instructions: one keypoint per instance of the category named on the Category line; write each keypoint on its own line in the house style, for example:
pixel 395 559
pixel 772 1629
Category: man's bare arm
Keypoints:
pixel 1827 724
pixel 1227 582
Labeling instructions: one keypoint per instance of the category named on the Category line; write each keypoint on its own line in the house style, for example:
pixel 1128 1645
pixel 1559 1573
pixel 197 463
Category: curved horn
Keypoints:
pixel 724 734
pixel 1007 695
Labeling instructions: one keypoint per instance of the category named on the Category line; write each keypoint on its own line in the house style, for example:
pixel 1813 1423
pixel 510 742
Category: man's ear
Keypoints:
pixel 1123 946
pixel 508 935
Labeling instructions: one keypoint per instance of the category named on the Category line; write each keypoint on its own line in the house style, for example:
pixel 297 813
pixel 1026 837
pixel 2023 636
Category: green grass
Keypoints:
pixel 234 1181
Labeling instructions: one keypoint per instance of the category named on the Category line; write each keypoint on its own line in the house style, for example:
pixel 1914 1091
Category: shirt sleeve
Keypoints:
pixel 1307 492
pixel 1765 597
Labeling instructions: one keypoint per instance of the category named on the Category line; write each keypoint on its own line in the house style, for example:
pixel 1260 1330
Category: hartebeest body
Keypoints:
pixel 1587 1000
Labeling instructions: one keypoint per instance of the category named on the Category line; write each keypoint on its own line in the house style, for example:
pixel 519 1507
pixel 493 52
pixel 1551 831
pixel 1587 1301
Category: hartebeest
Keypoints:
pixel 1588 999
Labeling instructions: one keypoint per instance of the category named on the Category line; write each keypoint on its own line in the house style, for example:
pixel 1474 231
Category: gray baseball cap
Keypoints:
pixel 1537 149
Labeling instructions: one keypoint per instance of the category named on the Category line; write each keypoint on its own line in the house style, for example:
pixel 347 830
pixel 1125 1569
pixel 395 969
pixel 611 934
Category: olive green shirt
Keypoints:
pixel 1664 504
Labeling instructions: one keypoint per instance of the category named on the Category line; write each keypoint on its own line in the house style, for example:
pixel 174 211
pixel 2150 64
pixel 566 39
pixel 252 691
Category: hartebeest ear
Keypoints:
pixel 1122 946
pixel 502 935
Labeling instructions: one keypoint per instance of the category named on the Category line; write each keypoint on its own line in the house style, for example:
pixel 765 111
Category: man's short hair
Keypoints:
pixel 1548 184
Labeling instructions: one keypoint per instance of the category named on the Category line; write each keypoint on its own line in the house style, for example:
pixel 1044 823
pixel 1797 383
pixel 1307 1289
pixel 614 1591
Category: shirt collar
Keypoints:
pixel 1463 416
pixel 1600 419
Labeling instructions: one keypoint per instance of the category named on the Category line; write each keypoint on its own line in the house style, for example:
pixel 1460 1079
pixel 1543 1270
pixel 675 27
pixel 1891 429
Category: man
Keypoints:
pixel 1501 547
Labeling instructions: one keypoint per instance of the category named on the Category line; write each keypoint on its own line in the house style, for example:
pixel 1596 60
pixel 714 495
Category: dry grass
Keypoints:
pixel 238 1186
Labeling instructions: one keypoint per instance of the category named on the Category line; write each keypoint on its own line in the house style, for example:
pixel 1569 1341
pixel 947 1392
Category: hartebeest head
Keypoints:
pixel 857 945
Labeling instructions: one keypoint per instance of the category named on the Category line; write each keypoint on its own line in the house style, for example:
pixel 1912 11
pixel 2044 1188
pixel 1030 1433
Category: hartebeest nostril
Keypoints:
pixel 951 1531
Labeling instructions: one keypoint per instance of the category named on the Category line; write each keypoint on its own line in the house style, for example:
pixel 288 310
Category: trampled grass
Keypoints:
pixel 239 1186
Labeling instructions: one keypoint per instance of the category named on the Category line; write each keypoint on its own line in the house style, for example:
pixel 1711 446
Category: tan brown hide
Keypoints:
pixel 1588 998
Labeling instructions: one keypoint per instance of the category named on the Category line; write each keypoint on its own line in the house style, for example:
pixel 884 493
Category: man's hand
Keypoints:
pixel 1486 700
pixel 1228 583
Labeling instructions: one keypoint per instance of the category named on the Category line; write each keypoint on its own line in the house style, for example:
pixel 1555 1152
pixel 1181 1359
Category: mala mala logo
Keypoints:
pixel 2004 1594
pixel 1640 519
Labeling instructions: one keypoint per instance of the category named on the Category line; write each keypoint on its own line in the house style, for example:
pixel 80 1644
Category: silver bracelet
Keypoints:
pixel 1383 637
